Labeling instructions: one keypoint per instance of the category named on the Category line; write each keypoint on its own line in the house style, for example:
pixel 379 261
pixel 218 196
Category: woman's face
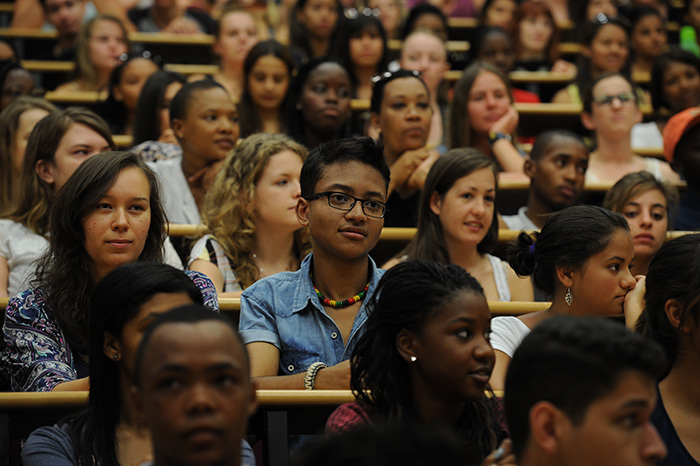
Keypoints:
pixel 466 209
pixel 405 115
pixel 649 37
pixel 210 127
pixel 117 228
pixel 164 110
pixel 25 124
pixel 609 49
pixel 497 50
pixel 602 283
pixel 78 144
pixel 325 98
pixel 488 102
pixel 535 33
pixel 237 35
pixel 277 192
pixel 607 7
pixel 134 76
pixel 319 17
pixel 366 48
pixel 390 13
pixel 616 117
pixel 425 53
pixel 454 356
pixel 268 82
pixel 501 13
pixel 18 82
pixel 647 216
pixel 106 44
pixel 681 86
pixel 431 22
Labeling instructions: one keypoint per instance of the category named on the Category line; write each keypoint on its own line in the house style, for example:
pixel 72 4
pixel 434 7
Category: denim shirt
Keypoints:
pixel 285 311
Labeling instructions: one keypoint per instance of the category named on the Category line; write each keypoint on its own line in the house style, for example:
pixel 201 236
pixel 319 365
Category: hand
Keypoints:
pixel 501 456
pixel 507 123
pixel 564 67
pixel 168 136
pixel 206 175
pixel 634 302
pixel 417 179
pixel 406 164
pixel 182 25
pixel 334 378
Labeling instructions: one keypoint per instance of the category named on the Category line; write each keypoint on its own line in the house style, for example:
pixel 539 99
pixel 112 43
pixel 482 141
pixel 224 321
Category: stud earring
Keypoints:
pixel 414 359
pixel 116 356
pixel 568 298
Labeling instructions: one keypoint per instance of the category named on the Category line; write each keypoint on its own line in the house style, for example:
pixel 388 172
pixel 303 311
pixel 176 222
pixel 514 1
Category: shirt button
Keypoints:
pixel 334 335
pixel 290 368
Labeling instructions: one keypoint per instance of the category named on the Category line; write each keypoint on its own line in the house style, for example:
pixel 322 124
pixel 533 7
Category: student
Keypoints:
pixel 580 390
pixel 192 375
pixel 170 16
pixel 584 271
pixel 313 28
pixel 15 81
pixel 301 327
pixel 647 204
pixel 648 39
pixel 67 17
pixel 556 167
pixel 671 319
pixel 611 109
pixel 425 357
pixel 499 13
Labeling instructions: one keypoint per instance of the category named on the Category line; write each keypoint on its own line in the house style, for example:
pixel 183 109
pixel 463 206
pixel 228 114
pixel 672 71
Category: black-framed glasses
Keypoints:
pixel 608 99
pixel 354 13
pixel 390 74
pixel 346 202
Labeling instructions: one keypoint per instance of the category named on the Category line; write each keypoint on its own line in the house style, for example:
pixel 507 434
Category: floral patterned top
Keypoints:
pixel 39 355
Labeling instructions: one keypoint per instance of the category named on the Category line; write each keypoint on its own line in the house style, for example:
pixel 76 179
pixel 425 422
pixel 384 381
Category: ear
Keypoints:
pixel 406 344
pixel 118 94
pixel 565 275
pixel 435 203
pixel 178 128
pixel 674 313
pixel 547 425
pixel 530 167
pixel 302 210
pixel 587 121
pixel 45 170
pixel 111 346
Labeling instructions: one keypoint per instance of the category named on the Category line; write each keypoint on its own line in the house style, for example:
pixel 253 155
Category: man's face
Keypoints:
pixel 65 15
pixel 558 174
pixel 616 429
pixel 196 394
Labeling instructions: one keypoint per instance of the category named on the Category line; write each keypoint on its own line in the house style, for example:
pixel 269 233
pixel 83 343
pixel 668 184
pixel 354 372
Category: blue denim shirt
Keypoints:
pixel 285 311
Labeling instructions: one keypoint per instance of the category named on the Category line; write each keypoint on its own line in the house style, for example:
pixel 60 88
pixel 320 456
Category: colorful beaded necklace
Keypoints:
pixel 340 304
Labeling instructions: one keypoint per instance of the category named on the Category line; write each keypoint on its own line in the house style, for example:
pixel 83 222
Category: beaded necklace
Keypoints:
pixel 339 304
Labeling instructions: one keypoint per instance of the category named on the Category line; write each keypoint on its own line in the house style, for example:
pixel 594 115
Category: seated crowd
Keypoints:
pixel 310 136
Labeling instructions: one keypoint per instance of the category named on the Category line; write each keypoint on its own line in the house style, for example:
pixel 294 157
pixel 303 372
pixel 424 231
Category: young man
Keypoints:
pixel 580 391
pixel 67 17
pixel 556 168
pixel 300 327
pixel 193 389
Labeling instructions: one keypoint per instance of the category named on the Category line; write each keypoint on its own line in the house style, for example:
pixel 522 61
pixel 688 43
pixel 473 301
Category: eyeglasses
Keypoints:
pixel 354 13
pixel 124 57
pixel 346 202
pixel 623 97
pixel 391 74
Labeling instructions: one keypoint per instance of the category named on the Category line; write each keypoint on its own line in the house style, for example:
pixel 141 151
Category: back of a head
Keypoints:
pixel 571 362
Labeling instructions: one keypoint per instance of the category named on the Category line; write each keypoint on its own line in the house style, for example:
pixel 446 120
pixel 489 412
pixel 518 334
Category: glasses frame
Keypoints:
pixel 328 194
pixel 623 97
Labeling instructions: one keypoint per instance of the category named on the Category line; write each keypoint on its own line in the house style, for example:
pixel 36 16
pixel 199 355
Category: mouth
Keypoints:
pixel 354 233
pixel 120 243
pixel 474 226
pixel 226 143
pixel 567 191
pixel 481 375
pixel 644 238
pixel 203 435
pixel 414 132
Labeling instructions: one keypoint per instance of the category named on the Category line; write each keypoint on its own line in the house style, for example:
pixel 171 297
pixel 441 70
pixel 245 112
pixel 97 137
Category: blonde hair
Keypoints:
pixel 84 67
pixel 225 212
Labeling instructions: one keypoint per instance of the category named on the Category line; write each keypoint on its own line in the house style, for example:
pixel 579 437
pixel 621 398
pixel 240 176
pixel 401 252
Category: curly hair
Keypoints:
pixel 225 212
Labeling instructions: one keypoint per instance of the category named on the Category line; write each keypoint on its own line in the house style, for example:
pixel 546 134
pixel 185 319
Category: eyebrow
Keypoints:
pixel 467 320
pixel 636 204
pixel 108 196
pixel 636 403
pixel 351 190
pixel 621 259
pixel 473 188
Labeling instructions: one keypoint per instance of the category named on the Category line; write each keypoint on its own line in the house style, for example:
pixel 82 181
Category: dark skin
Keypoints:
pixel 687 157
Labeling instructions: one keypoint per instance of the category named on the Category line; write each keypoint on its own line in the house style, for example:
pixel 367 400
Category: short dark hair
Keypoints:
pixel 571 362
pixel 189 314
pixel 545 138
pixel 418 11
pixel 569 238
pixel 375 104
pixel 363 150
pixel 181 101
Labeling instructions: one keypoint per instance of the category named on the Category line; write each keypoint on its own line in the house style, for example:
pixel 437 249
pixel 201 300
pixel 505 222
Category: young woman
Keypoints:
pixel 585 271
pixel 205 123
pixel 671 318
pixel 483 116
pixel 252 226
pixel 107 214
pixel 391 14
pixel 362 48
pixel 675 86
pixel 646 203
pixel 425 357
pixel 320 103
pixel 611 109
pixel 458 224
pixel 499 13
pixel 235 35
pixel 122 306
pixel 648 38
pixel 125 84
pixel 267 72
pixel 16 123
pixel 313 28
pixel 58 144
pixel 153 138
pixel 605 50
pixel 402 115
pixel 424 51
pixel 101 42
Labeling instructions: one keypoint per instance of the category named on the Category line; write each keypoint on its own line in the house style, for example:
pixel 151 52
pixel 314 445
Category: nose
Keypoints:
pixel 616 102
pixel 356 212
pixel 226 125
pixel 297 189
pixel 653 447
pixel 484 351
pixel 569 172
pixel 628 282
pixel 200 399
pixel 478 207
pixel 490 100
pixel 120 222
pixel 646 219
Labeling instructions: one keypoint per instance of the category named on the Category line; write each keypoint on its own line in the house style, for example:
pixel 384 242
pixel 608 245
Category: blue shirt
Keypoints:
pixel 285 311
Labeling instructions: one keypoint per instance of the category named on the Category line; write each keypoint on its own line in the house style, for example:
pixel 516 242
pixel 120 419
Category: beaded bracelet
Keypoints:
pixel 310 377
